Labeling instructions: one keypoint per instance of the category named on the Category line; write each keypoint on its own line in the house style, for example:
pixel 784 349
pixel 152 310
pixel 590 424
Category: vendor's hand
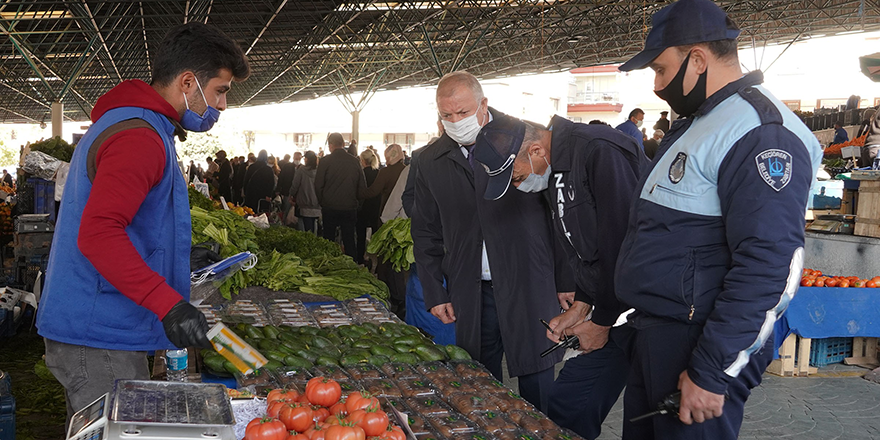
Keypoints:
pixel 186 326
pixel 590 335
pixel 201 257
pixel 444 313
pixel 565 298
pixel 572 317
pixel 697 404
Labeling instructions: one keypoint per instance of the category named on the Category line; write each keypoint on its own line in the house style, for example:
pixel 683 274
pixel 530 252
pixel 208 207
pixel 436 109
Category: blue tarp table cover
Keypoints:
pixel 829 312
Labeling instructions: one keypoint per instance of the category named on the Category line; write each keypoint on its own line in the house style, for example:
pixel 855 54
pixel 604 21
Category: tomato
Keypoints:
pixel 843 283
pixel 860 283
pixel 871 284
pixel 360 400
pixel 876 280
pixel 852 280
pixel 320 413
pixel 294 436
pixel 303 399
pixel 339 408
pixel 373 422
pixel 335 420
pixel 274 408
pixel 316 432
pixel 265 428
pixel 282 394
pixel 816 273
pixel 806 282
pixel 393 432
pixel 296 417
pixel 806 272
pixel 323 391
pixel 344 432
pixel 820 282
pixel 831 282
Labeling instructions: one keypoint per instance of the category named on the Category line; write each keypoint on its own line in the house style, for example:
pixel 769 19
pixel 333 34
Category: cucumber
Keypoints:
pixel 274 355
pixel 406 358
pixel 309 330
pixel 253 332
pixel 267 344
pixel 321 342
pixel 271 332
pixel 325 360
pixel 307 354
pixel 370 327
pixel 409 340
pixel 430 353
pixel 272 365
pixel 215 362
pixel 382 350
pixel 457 353
pixel 350 360
pixel 298 362
pixel 402 348
pixel 379 360
pixel 229 367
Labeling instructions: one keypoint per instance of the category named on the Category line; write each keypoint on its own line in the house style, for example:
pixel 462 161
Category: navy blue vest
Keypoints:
pixel 78 305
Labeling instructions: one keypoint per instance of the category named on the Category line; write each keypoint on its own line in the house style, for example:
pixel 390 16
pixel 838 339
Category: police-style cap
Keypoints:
pixel 681 23
pixel 497 146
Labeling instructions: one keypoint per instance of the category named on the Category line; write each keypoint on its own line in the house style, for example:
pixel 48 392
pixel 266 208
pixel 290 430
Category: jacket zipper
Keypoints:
pixel 690 267
pixel 662 188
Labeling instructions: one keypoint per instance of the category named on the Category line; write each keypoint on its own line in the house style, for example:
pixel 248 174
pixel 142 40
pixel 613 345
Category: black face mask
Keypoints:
pixel 674 95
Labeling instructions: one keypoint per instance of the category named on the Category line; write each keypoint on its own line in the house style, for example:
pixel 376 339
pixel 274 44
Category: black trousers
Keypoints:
pixel 590 384
pixel 660 353
pixel 345 221
pixel 533 387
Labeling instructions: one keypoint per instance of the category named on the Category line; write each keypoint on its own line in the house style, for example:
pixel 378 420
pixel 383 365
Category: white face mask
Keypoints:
pixel 464 131
pixel 638 124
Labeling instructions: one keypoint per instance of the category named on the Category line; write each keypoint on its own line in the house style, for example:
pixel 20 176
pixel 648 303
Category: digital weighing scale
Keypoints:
pixel 156 410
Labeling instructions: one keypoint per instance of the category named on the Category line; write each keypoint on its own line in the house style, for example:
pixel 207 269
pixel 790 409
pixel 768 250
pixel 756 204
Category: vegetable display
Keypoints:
pixel 815 278
pixel 55 147
pixel 304 244
pixel 835 149
pixel 393 242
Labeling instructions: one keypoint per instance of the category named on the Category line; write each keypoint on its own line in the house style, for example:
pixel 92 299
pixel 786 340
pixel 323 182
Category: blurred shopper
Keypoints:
pixel 339 182
pixel 662 124
pixel 371 205
pixel 715 245
pixel 298 159
pixel 872 141
pixel 224 176
pixel 302 191
pixel 840 134
pixel 259 184
pixel 495 292
pixel 653 144
pixel 238 180
pixel 632 124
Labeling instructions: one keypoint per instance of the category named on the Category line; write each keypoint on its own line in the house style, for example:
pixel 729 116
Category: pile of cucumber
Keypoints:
pixel 347 345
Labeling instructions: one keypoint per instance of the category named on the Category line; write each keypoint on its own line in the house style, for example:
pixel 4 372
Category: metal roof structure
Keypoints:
pixel 73 51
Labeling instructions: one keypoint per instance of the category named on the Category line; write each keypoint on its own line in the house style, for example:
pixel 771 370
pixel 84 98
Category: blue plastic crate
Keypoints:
pixel 830 351
pixel 7 418
pixel 44 197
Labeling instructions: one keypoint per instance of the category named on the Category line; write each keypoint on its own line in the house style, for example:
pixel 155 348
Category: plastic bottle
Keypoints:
pixel 175 365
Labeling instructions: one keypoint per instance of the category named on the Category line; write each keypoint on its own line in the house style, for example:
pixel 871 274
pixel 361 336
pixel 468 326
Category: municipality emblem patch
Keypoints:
pixel 774 166
pixel 676 169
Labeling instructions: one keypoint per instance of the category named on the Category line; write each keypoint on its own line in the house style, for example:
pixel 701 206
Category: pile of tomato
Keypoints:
pixel 322 413
pixel 814 278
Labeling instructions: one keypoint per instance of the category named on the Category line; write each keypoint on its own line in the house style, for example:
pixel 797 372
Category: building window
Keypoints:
pixel 405 140
pixel 302 140
pixel 576 119
pixel 792 104
pixel 554 104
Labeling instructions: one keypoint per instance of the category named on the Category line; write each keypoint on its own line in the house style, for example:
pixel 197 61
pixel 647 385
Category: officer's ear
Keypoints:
pixel 536 150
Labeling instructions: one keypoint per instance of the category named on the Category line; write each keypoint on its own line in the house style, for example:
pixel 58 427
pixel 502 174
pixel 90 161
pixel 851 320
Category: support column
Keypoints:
pixel 355 126
pixel 57 113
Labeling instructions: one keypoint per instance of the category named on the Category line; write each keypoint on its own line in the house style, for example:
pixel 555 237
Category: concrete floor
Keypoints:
pixel 837 403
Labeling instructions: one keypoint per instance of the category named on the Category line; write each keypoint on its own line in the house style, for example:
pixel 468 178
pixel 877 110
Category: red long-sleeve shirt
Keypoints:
pixel 129 164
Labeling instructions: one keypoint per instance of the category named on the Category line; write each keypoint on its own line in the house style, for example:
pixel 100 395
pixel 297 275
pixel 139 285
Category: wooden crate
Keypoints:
pixel 868 221
pixel 865 352
pixel 786 366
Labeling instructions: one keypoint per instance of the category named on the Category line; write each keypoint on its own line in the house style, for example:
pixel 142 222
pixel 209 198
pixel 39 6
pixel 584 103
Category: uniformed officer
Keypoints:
pixel 588 175
pixel 714 248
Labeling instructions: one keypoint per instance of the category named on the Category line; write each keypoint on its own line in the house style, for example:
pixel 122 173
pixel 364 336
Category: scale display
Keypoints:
pixel 89 422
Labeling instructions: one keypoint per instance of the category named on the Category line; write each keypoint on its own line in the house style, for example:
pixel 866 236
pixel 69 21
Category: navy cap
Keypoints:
pixel 497 146
pixel 679 24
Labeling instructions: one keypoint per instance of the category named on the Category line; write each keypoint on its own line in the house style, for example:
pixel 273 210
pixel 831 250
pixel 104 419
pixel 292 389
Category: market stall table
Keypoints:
pixel 825 312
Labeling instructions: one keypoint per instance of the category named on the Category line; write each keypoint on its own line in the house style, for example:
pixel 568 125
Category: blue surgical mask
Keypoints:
pixel 193 122
pixel 535 183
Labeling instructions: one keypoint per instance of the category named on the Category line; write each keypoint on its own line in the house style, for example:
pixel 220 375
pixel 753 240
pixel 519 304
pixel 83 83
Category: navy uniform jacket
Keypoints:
pixel 595 172
pixel 716 235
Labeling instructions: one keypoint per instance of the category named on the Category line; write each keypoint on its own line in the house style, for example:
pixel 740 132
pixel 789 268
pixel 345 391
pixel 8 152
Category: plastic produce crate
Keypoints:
pixel 44 197
pixel 830 351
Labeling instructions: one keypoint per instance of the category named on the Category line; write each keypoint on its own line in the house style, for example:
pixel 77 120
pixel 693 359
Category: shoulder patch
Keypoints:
pixel 767 111
pixel 774 166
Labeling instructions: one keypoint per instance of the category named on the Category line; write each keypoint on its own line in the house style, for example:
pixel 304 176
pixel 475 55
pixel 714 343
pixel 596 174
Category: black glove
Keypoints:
pixel 186 326
pixel 201 257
